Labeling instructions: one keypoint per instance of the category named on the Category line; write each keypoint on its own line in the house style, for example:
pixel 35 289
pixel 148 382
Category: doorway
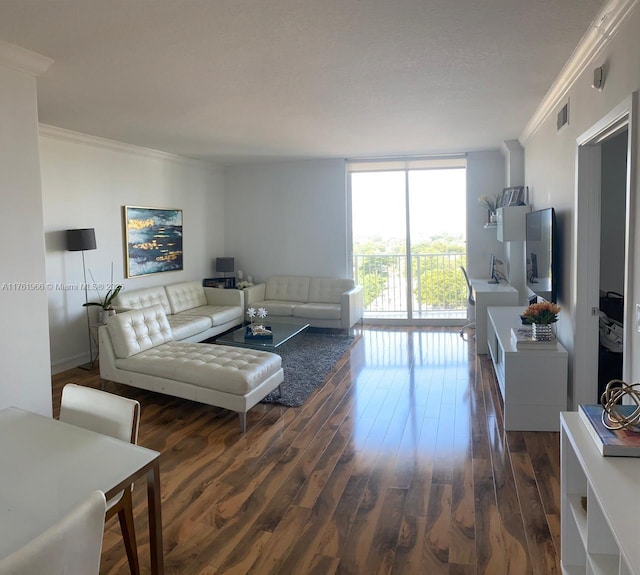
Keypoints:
pixel 613 234
pixel 592 224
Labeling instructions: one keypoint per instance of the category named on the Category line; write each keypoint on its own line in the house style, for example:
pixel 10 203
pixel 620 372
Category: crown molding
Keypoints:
pixel 23 60
pixel 65 135
pixel 612 15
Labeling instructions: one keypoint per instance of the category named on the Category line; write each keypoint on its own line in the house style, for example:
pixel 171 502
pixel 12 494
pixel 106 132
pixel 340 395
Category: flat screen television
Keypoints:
pixel 541 238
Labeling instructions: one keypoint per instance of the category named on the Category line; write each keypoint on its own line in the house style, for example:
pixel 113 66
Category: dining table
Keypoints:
pixel 48 467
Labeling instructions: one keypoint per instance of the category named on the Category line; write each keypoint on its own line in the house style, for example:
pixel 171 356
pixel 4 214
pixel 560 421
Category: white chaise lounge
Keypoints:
pixel 137 348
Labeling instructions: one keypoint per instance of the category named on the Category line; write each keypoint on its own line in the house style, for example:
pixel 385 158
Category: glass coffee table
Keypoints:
pixel 281 333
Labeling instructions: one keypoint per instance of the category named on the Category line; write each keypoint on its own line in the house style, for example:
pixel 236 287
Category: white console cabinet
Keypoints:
pixel 600 499
pixel 533 382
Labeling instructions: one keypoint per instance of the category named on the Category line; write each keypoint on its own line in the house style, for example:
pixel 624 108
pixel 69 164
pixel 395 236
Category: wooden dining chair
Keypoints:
pixel 72 545
pixel 117 417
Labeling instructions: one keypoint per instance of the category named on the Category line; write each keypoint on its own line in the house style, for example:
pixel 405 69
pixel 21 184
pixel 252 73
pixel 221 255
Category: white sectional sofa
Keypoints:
pixel 138 348
pixel 318 301
pixel 194 313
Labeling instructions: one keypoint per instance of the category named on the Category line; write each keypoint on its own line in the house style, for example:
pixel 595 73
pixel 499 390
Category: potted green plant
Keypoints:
pixel 542 316
pixel 105 303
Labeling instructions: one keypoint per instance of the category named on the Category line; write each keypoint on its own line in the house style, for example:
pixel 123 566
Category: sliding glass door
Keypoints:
pixel 408 239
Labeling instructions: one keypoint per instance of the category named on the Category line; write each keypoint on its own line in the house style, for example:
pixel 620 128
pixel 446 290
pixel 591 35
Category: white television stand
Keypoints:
pixel 533 382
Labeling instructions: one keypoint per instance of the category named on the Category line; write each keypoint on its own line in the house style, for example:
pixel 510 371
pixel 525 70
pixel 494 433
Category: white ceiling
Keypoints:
pixel 242 80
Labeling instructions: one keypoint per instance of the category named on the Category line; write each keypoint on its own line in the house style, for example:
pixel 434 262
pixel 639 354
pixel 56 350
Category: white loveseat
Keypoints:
pixel 194 313
pixel 318 301
pixel 137 348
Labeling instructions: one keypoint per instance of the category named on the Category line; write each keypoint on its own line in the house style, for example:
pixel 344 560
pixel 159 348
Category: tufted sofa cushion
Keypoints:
pixel 185 295
pixel 183 326
pixel 223 368
pixel 328 290
pixel 287 288
pixel 138 330
pixel 137 299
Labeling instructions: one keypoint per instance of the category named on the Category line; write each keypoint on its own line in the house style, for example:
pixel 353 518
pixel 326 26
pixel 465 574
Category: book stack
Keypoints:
pixel 618 443
pixel 522 338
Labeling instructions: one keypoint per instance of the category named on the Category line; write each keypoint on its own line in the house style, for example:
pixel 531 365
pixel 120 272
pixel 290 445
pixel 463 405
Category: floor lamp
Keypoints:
pixel 82 240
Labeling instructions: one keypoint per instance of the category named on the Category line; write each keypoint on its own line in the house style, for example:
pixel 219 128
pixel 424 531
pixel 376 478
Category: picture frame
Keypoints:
pixel 500 200
pixel 152 240
pixel 513 196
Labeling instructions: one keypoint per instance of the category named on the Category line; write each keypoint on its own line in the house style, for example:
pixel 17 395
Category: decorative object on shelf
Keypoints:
pixel 615 415
pixel 243 285
pixel 513 196
pixel 542 315
pixel 491 204
pixel 542 331
pixel 622 442
pixel 81 240
pixel 522 338
pixel 153 240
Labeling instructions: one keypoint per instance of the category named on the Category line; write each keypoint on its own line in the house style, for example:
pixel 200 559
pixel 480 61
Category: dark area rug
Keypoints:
pixel 306 361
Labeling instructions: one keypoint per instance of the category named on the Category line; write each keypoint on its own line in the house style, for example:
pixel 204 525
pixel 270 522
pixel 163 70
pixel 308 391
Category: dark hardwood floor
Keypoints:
pixel 399 464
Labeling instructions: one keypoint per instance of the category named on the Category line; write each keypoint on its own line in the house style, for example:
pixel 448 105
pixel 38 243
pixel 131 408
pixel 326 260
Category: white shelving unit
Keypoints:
pixel 533 382
pixel 600 506
pixel 511 223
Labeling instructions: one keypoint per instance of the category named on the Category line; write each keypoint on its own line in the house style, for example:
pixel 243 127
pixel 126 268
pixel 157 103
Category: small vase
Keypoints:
pixel 542 331
pixel 105 314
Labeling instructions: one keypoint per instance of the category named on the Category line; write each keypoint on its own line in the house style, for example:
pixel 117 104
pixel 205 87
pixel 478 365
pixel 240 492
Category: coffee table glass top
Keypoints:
pixel 281 331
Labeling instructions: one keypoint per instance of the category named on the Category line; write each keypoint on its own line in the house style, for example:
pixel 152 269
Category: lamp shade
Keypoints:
pixel 225 264
pixel 81 240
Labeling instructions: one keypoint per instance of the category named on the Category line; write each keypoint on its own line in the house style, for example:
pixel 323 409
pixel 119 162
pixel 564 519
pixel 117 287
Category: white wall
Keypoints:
pixel 85 183
pixel 24 339
pixel 291 217
pixel 550 160
pixel 287 218
pixel 485 175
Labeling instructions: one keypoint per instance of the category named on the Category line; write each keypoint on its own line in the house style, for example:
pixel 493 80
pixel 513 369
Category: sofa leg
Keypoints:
pixel 279 389
pixel 243 422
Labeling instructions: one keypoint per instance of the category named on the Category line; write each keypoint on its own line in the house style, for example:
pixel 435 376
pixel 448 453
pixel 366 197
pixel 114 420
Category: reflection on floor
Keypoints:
pixel 398 464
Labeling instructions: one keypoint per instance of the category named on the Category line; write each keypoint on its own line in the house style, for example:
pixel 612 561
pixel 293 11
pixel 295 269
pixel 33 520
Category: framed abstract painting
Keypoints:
pixel 153 240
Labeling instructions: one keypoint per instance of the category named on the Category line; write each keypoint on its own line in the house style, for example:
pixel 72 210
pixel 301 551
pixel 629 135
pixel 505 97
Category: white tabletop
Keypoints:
pixel 486 286
pixel 47 467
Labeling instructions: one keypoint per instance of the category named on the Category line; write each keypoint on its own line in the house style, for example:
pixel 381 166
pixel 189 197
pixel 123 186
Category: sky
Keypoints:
pixel 437 199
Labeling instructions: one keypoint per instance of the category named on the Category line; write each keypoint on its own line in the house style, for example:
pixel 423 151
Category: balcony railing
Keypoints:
pixel 438 287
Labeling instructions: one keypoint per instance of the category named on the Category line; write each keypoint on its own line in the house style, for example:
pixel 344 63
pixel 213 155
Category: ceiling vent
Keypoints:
pixel 563 116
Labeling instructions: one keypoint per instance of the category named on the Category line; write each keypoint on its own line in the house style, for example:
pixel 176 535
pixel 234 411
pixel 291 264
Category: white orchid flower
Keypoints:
pixel 251 312
pixel 262 313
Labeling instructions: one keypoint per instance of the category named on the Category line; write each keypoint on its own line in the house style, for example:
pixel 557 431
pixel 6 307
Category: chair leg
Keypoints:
pixel 243 422
pixel 125 515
